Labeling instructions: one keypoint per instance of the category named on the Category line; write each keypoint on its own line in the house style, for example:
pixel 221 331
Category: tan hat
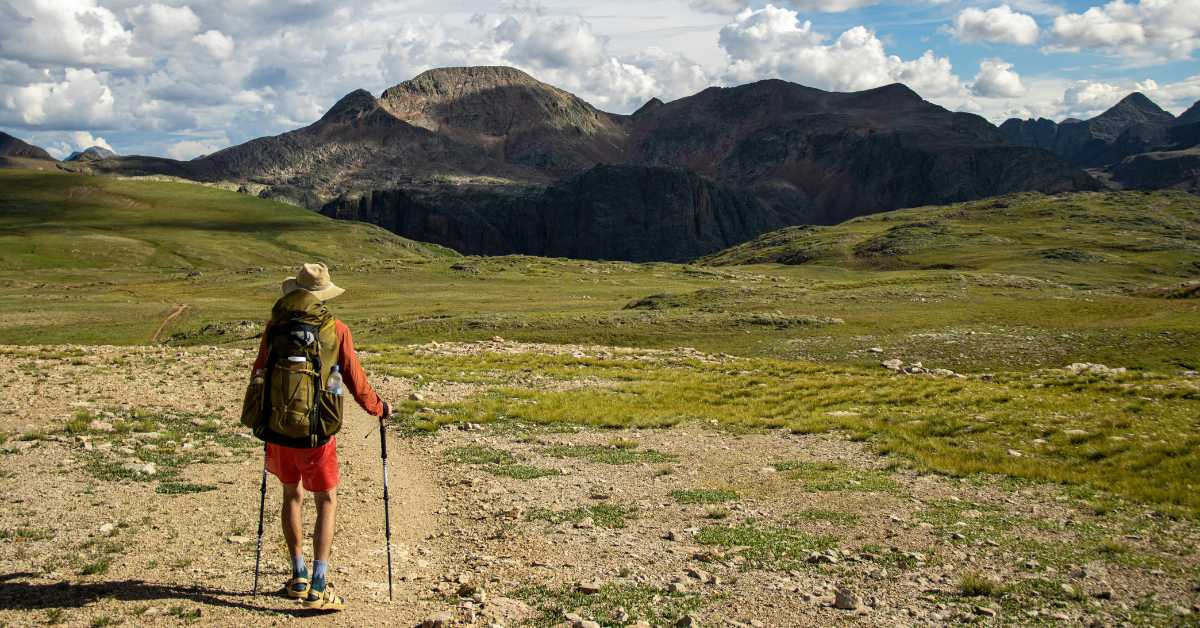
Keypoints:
pixel 315 279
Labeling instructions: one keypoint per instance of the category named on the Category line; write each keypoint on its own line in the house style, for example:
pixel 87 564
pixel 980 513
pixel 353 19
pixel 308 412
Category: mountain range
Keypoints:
pixel 1133 144
pixel 488 160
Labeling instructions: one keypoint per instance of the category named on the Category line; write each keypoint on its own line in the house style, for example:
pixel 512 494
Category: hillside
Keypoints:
pixel 489 160
pixel 68 221
pixel 1095 239
pixel 13 147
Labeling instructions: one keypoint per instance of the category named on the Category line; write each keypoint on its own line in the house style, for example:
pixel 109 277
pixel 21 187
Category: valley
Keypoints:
pixel 976 412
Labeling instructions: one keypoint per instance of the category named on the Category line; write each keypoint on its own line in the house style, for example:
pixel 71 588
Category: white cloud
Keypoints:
pixel 73 33
pixel 1086 99
pixel 83 140
pixel 996 79
pixel 998 25
pixel 190 149
pixel 772 42
pixel 81 98
pixel 1150 31
pixel 215 43
pixel 731 7
pixel 163 24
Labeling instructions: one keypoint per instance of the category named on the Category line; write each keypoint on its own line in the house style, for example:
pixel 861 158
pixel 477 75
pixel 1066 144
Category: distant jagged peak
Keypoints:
pixel 1137 106
pixel 352 106
pixel 1191 116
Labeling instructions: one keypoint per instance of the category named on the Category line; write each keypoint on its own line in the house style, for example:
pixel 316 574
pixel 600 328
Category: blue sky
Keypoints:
pixel 181 78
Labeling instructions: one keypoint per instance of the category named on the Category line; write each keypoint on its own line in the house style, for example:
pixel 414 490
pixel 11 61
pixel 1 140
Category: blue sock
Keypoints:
pixel 318 579
pixel 298 569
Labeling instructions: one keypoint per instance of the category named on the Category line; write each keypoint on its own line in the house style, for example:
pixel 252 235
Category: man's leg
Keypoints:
pixel 292 516
pixel 326 502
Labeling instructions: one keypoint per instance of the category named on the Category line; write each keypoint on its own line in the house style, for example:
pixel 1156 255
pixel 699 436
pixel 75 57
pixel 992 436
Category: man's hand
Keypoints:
pixel 387 410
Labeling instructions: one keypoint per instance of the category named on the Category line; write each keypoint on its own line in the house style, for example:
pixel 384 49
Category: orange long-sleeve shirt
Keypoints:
pixel 353 375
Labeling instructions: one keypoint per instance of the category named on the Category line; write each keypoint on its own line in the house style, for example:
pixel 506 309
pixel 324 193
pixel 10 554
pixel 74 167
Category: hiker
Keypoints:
pixel 305 363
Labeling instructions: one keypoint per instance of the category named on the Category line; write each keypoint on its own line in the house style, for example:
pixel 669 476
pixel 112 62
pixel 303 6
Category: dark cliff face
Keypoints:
pixel 634 213
pixel 13 147
pixel 489 160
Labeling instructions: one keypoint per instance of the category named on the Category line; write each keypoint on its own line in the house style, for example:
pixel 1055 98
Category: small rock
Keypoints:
pixel 439 620
pixel 687 621
pixel 677 587
pixel 845 599
pixel 585 623
pixel 100 426
pixel 985 611
pixel 1014 453
pixel 107 528
pixel 876 349
pixel 586 524
pixel 893 365
pixel 589 588
pixel 238 539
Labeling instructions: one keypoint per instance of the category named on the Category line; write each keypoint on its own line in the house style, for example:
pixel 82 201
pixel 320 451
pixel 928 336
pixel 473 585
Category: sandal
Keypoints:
pixel 324 600
pixel 297 588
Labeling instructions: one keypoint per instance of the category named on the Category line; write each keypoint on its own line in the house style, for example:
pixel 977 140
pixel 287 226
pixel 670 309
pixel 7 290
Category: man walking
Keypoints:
pixel 306 361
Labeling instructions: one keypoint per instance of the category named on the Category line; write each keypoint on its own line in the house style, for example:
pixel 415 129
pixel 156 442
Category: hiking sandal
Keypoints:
pixel 297 588
pixel 324 600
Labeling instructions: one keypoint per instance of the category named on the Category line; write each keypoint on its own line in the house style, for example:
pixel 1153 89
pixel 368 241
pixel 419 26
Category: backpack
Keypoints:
pixel 290 404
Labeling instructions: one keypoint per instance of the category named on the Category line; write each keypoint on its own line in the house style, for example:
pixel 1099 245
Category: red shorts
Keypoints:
pixel 318 468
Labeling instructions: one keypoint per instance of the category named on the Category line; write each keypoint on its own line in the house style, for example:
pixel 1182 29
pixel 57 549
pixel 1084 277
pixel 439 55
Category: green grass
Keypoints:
pixel 655 606
pixel 765 547
pixel 822 476
pixel 1002 307
pixel 181 488
pixel 704 496
pixel 497 462
pixel 975 585
pixel 1149 453
pixel 25 534
pixel 831 516
pixel 609 455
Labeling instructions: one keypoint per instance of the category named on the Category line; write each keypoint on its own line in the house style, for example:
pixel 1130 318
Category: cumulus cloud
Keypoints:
pixel 996 79
pixel 773 42
pixel 1085 99
pixel 997 25
pixel 80 98
pixel 73 33
pixel 159 23
pixel 190 149
pixel 217 44
pixel 1149 31
pixel 731 7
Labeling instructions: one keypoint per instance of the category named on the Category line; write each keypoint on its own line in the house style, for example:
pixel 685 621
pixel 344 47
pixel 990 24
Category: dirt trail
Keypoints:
pixel 758 528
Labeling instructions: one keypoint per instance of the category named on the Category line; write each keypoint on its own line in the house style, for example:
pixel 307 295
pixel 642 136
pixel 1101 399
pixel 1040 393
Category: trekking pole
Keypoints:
pixel 387 519
pixel 262 505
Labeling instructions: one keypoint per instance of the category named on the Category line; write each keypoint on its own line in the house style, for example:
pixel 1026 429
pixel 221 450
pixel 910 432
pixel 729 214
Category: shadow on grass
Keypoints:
pixel 29 596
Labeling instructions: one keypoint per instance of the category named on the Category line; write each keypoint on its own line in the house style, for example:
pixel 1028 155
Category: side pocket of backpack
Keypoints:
pixel 252 404
pixel 331 413
pixel 291 399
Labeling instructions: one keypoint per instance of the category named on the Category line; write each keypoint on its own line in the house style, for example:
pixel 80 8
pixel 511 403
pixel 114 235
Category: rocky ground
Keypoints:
pixel 131 498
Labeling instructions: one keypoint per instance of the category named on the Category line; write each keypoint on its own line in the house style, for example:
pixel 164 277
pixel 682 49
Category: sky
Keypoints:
pixel 182 78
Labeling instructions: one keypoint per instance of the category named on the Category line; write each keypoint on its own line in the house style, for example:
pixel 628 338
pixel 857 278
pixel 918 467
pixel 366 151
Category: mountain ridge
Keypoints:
pixel 513 145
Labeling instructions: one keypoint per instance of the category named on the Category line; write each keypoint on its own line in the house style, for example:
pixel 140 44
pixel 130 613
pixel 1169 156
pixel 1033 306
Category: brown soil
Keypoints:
pixel 173 555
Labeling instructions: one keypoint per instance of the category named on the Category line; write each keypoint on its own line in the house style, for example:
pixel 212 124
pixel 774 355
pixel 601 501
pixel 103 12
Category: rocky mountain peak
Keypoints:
pixel 1136 108
pixel 651 105
pixel 90 153
pixel 352 106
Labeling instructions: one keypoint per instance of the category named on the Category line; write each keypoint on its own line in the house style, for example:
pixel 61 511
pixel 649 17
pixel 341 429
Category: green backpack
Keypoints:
pixel 290 404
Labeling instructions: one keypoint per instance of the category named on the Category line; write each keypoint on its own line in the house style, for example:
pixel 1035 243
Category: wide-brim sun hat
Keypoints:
pixel 315 279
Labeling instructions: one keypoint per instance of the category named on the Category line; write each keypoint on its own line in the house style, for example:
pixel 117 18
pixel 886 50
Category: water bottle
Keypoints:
pixel 334 385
